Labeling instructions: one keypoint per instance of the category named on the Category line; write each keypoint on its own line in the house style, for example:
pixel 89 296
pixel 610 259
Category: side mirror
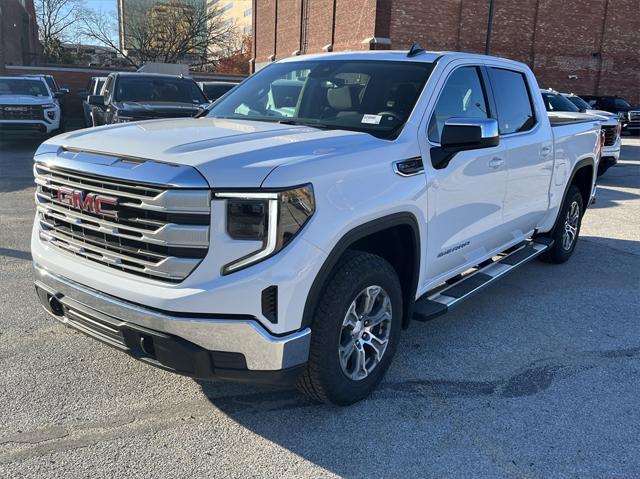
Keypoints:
pixel 96 100
pixel 64 91
pixel 461 134
pixel 58 94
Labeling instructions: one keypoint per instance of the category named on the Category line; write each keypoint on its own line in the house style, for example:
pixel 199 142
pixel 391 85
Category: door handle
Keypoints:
pixel 496 163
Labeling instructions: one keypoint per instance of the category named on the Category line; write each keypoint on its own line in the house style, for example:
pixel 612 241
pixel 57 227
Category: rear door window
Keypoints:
pixel 513 100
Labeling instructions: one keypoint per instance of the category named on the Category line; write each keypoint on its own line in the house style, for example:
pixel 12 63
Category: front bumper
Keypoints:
pixel 30 126
pixel 194 345
pixel 612 151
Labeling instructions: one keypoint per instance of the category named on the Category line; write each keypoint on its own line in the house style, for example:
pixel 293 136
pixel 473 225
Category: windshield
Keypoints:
pixel 375 97
pixel 556 102
pixel 14 86
pixel 579 102
pixel 151 89
pixel 622 103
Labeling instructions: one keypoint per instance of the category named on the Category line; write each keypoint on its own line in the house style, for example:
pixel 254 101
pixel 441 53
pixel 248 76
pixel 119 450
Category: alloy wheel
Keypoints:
pixel 571 226
pixel 365 333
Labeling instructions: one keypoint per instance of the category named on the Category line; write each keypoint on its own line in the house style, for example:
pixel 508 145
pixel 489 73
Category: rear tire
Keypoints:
pixel 355 330
pixel 566 232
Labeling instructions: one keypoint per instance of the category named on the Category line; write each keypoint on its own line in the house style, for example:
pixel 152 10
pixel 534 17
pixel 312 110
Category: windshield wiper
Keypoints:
pixel 306 123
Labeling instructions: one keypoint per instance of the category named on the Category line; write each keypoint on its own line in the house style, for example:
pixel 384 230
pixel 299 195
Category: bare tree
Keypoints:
pixel 172 31
pixel 55 19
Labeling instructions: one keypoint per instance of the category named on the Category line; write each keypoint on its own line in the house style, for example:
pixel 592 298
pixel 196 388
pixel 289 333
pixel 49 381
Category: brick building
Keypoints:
pixel 582 46
pixel 19 43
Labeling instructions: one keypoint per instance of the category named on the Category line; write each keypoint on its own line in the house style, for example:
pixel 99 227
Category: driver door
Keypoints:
pixel 465 198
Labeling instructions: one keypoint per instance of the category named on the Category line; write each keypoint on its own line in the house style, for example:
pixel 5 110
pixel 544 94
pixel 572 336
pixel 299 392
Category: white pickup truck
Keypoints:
pixel 289 234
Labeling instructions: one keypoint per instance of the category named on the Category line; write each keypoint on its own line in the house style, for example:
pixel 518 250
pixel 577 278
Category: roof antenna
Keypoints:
pixel 415 49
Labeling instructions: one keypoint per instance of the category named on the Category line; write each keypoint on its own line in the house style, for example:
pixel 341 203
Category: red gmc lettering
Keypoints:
pixel 104 200
pixel 90 202
pixel 65 196
pixel 84 202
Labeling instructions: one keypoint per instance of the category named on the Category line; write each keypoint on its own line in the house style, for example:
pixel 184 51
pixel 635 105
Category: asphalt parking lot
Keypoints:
pixel 537 377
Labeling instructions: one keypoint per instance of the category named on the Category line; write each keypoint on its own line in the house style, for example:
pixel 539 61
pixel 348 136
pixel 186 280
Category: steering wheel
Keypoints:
pixel 393 114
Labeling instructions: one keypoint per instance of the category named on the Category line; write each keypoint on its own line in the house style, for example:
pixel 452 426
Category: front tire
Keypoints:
pixel 565 234
pixel 355 330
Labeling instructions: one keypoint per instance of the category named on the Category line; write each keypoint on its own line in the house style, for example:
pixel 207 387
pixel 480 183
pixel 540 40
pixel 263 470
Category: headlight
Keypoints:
pixel 273 218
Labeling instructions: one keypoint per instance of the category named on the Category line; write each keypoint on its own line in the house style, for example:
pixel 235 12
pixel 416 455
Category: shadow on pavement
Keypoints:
pixel 432 388
pixel 608 197
pixel 15 163
pixel 14 253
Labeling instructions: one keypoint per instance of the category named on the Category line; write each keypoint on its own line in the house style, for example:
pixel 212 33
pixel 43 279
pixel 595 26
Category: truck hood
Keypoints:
pixel 24 100
pixel 604 114
pixel 228 153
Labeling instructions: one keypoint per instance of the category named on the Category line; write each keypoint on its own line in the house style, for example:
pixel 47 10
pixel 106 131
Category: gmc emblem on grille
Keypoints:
pixel 90 202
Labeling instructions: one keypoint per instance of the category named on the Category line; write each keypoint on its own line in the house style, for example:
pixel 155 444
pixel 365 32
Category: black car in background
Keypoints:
pixel 629 115
pixel 144 96
pixel 215 89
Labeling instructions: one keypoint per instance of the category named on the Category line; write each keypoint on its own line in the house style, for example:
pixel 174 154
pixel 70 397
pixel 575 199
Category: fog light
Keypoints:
pixel 51 114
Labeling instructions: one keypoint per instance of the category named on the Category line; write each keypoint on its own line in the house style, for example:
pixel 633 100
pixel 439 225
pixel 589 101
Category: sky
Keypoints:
pixel 107 6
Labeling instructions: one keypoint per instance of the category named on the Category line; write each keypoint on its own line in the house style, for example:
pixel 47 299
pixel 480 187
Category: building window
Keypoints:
pixel 247 29
pixel 247 12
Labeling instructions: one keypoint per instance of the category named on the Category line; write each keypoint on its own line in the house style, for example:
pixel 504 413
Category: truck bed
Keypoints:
pixel 567 118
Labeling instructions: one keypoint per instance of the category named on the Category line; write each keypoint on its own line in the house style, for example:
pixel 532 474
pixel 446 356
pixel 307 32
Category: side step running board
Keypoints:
pixel 439 302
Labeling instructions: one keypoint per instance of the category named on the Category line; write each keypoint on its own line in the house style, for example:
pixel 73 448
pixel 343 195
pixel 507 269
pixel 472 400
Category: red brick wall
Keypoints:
pixel 355 22
pixel 319 25
pixel 621 50
pixel 433 24
pixel 288 27
pixel 264 34
pixel 558 38
pixel 18 34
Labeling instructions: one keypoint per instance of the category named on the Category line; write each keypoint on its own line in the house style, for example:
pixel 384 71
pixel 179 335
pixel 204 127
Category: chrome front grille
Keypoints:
pixel 610 135
pixel 160 232
pixel 21 112
pixel 634 115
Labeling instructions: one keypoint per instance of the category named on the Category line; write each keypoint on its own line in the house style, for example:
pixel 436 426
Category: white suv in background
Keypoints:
pixel 27 105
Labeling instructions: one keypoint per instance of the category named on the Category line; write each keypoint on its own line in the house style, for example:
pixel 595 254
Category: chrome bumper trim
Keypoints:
pixel 262 351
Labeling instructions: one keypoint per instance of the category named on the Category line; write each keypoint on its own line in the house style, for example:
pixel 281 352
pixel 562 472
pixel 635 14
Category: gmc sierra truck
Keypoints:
pixel 290 238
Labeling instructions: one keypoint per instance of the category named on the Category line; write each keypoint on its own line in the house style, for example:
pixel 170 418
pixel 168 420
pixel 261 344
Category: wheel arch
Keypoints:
pixel 400 228
pixel 583 176
pixel 580 173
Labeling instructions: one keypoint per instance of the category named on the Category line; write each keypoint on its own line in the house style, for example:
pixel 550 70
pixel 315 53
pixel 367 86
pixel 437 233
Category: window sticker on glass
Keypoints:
pixel 371 119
